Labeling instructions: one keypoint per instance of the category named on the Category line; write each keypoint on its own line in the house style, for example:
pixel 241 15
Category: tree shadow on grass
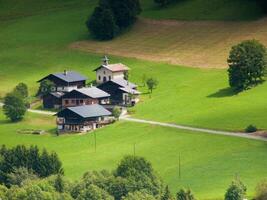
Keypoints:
pixel 225 92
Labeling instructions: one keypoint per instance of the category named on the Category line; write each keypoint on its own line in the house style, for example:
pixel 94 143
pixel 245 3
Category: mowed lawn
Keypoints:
pixel 36 46
pixel 208 162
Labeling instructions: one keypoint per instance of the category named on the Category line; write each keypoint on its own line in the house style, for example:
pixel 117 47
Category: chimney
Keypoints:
pixel 65 72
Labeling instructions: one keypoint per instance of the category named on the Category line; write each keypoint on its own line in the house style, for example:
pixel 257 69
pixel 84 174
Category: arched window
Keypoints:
pixel 104 79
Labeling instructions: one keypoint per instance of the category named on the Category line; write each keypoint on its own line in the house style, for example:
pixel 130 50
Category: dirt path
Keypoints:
pixel 176 126
pixel 204 44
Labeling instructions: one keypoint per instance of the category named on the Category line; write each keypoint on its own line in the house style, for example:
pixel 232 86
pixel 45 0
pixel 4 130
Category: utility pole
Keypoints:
pixel 134 149
pixel 95 140
pixel 179 166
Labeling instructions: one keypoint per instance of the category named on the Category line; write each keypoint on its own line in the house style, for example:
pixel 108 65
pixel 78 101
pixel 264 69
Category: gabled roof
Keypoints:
pixel 57 94
pixel 89 111
pixel 118 67
pixel 129 90
pixel 123 83
pixel 69 77
pixel 93 92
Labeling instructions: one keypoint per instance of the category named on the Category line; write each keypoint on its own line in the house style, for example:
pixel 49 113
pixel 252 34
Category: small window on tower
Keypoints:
pixel 99 77
pixel 109 77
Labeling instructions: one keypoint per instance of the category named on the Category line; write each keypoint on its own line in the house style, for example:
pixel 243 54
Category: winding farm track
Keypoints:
pixel 176 126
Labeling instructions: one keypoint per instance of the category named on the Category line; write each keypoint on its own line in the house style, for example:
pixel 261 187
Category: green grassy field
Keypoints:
pixel 208 162
pixel 35 46
pixel 204 10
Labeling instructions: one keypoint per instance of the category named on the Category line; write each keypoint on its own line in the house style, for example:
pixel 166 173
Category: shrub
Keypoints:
pixel 139 196
pixel 185 195
pixel 251 129
pixel 261 190
pixel 247 64
pixel 19 175
pixel 236 191
pixel 14 107
pixel 116 112
pixel 151 84
pixel 46 86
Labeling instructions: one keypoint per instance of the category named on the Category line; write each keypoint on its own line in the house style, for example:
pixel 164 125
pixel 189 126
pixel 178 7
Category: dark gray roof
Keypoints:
pixel 89 111
pixel 93 92
pixel 57 94
pixel 70 76
pixel 123 83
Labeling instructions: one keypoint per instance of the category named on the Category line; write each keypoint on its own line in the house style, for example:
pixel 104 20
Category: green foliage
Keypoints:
pixel 59 184
pixel 140 173
pixel 247 64
pixel 94 193
pixel 236 191
pixel 166 194
pixel 251 129
pixel 185 195
pixel 163 2
pixel 46 86
pixel 151 84
pixel 14 107
pixel 20 157
pixel 102 24
pixel 111 16
pixel 139 196
pixel 19 175
pixel 22 90
pixel 116 112
pixel 261 190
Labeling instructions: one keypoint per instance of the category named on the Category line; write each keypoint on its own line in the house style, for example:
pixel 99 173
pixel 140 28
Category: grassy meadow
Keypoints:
pixel 34 46
pixel 208 162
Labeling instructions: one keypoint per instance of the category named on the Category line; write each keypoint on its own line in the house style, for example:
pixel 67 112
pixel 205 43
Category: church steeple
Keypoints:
pixel 105 60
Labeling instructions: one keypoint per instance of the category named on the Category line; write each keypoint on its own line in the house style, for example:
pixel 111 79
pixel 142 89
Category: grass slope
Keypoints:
pixel 204 10
pixel 208 162
pixel 35 46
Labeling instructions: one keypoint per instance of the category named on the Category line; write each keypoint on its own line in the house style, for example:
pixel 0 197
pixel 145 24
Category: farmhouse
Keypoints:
pixel 66 81
pixel 122 92
pixel 107 72
pixel 85 96
pixel 53 100
pixel 82 118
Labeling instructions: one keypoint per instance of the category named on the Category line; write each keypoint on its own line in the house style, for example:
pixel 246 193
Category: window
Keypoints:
pixel 104 72
pixel 99 77
pixel 109 77
pixel 81 101
pixel 72 101
pixel 104 79
pixel 66 101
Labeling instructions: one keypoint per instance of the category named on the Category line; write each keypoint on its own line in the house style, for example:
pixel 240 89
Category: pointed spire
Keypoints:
pixel 105 60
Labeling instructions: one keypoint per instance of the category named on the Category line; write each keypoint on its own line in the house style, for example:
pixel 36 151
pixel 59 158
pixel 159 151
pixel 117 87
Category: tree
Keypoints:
pixel 236 191
pixel 151 84
pixel 116 112
pixel 185 195
pixel 102 24
pixel 261 190
pixel 167 194
pixel 126 75
pixel 14 107
pixel 94 193
pixel 19 175
pixel 247 65
pixel 139 196
pixel 46 86
pixel 59 183
pixel 22 90
pixel 125 11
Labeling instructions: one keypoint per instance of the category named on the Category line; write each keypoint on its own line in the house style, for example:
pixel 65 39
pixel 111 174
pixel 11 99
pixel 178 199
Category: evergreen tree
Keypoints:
pixel 167 194
pixel 22 90
pixel 59 183
pixel 236 191
pixel 102 24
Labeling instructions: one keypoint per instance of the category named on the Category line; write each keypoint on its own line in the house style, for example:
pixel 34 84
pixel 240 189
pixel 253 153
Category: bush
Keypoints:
pixel 116 112
pixel 185 195
pixel 236 191
pixel 261 190
pixel 247 65
pixel 251 129
pixel 46 86
pixel 102 24
pixel 14 107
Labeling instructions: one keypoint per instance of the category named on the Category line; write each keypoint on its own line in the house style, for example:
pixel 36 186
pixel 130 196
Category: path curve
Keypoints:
pixel 180 127
pixel 189 128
